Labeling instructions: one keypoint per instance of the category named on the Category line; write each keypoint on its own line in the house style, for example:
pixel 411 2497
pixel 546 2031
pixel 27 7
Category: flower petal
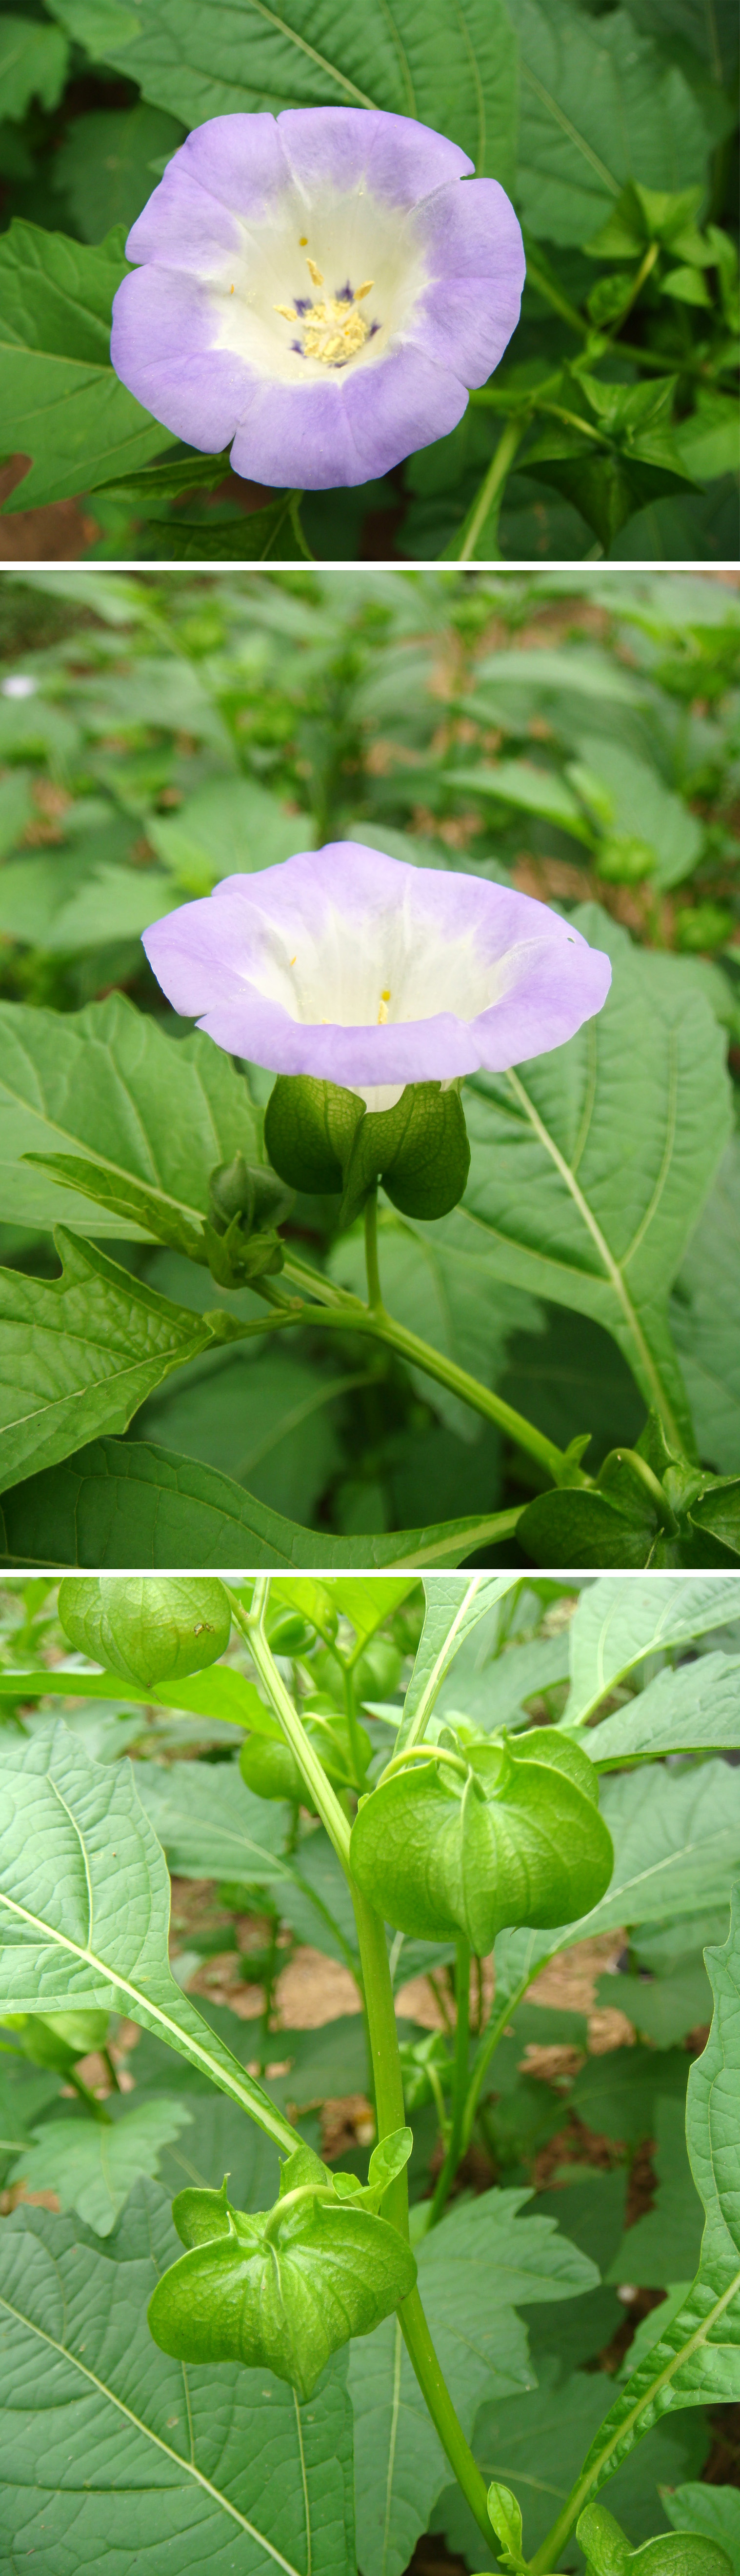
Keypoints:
pixel 347 148
pixel 162 347
pixel 474 248
pixel 226 959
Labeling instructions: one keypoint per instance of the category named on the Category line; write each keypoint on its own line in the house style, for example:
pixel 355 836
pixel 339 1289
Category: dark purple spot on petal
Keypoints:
pixel 344 294
pixel 303 303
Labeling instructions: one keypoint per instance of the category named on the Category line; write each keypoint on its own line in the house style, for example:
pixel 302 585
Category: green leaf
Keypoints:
pixel 665 2245
pixel 642 806
pixel 445 1295
pixel 454 1606
pixel 160 1112
pixel 92 2165
pixel 208 1822
pixel 529 790
pixel 104 164
pixel 617 1624
pixel 366 1605
pixel 598 107
pixel 456 71
pixel 705 1319
pixel 61 403
pixel 149 1632
pixel 697 2355
pixel 81 1353
pixel 147 2467
pixel 252 536
pixel 706 441
pixel 714 2511
pixel 606 1149
pixel 674 1856
pixel 662 2009
pixel 198 843
pixel 33 64
pixel 473 2270
pixel 79 1934
pixel 680 1712
pixel 537 2442
pixel 222 1694
pixel 589 1529
pixel 123 1503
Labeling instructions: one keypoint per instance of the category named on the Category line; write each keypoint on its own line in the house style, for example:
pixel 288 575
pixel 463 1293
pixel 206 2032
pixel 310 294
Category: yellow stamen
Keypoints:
pixel 333 331
pixel 364 290
pixel 302 241
pixel 288 311
pixel 314 273
pixel 383 1012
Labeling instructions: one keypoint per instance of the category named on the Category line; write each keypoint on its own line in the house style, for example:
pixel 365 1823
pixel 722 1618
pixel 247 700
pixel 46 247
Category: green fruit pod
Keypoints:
pixel 281 2290
pixel 510 1833
pixel 271 1771
pixel 149 1631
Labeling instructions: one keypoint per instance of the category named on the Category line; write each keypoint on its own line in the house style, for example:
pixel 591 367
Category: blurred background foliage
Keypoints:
pixel 577 736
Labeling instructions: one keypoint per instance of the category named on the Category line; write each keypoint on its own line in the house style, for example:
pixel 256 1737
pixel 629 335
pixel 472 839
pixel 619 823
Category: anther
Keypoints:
pixel 314 273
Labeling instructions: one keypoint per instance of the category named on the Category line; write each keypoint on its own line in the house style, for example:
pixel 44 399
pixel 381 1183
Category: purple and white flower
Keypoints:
pixel 366 972
pixel 322 288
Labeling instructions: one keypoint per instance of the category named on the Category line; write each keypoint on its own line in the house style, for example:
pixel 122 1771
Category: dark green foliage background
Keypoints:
pixel 619 386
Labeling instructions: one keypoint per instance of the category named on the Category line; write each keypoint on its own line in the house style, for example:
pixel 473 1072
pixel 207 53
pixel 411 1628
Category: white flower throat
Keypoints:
pixel 332 330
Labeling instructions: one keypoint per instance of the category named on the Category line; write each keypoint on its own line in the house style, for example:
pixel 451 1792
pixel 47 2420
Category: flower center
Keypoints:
pixel 332 329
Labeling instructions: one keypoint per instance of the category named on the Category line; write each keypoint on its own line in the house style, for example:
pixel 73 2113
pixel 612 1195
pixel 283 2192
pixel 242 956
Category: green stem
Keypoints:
pixel 352 1315
pixel 391 2115
pixel 659 1499
pixel 459 2088
pixel 374 1294
pixel 294 514
pixel 489 498
pixel 494 2033
pixel 353 1729
pixel 311 1769
pixel 423 2359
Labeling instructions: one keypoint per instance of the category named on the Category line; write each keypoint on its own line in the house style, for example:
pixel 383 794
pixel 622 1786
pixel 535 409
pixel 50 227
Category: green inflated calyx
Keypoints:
pixel 672 2553
pixel 149 1631
pixel 324 1139
pixel 473 1837
pixel 270 1769
pixel 283 2288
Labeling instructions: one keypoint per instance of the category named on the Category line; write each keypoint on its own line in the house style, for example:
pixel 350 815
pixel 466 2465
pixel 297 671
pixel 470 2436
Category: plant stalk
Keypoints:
pixel 374 1293
pixel 459 2087
pixel 391 2115
pixel 489 498
pixel 352 1316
